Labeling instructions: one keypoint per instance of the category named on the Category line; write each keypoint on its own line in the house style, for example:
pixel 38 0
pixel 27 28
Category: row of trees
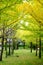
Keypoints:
pixel 13 11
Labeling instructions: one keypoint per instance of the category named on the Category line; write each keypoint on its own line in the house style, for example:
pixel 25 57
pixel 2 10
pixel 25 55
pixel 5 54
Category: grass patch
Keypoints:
pixel 22 57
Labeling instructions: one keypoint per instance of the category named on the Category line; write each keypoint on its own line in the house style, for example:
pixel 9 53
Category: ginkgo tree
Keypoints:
pixel 22 16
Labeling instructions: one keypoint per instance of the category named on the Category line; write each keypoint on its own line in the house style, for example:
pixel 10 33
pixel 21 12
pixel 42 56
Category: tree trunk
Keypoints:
pixel 9 48
pixel 0 55
pixel 31 47
pixel 40 47
pixel 6 47
pixel 36 49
